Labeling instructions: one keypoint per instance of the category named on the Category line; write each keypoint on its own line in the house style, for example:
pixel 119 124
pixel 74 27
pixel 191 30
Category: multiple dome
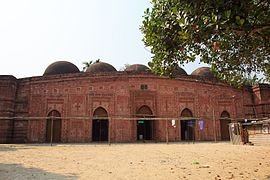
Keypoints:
pixel 100 67
pixel 64 67
pixel 203 72
pixel 61 67
pixel 179 71
pixel 137 68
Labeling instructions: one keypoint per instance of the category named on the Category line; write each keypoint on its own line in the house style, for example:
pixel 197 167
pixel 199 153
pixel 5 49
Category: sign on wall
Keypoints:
pixel 173 123
pixel 265 129
pixel 201 124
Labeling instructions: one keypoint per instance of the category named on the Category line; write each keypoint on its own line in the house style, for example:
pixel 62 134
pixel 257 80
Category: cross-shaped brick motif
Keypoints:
pixel 77 106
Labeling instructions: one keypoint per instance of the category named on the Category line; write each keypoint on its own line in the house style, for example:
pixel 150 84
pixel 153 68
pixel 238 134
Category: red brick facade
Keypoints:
pixel 122 95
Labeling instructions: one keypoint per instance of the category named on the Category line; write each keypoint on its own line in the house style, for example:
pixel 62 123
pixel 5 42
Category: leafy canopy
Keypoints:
pixel 232 36
pixel 87 64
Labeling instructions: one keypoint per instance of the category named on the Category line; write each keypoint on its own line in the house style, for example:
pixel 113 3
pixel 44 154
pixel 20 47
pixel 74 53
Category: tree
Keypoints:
pixel 124 67
pixel 232 36
pixel 87 64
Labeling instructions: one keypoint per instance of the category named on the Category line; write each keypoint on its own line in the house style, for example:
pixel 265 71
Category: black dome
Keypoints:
pixel 61 67
pixel 203 71
pixel 179 71
pixel 100 67
pixel 137 68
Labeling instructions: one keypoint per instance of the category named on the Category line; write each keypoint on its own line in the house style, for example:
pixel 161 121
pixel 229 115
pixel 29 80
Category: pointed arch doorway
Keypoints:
pixel 224 126
pixel 145 128
pixel 53 127
pixel 100 125
pixel 187 125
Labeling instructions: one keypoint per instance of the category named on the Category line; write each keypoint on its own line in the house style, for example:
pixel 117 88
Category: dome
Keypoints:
pixel 61 67
pixel 179 71
pixel 100 67
pixel 203 71
pixel 137 68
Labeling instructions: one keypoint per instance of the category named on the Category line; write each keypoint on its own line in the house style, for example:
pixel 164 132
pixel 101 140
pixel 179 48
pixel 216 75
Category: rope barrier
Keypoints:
pixel 125 118
pixel 97 118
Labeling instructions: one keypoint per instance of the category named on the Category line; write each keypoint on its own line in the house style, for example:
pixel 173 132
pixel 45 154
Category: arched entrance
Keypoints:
pixel 224 126
pixel 187 125
pixel 100 125
pixel 53 127
pixel 145 128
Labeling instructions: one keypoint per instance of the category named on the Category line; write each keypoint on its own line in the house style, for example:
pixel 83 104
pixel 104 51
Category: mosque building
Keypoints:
pixel 103 104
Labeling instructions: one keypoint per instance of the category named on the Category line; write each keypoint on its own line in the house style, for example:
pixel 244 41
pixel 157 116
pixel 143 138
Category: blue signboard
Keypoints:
pixel 201 124
pixel 191 123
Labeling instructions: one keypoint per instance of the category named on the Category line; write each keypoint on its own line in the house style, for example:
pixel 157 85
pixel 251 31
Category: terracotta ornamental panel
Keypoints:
pixel 55 104
pixel 186 96
pixel 37 106
pixel 104 100
pixel 122 105
pixel 140 98
pixel 77 103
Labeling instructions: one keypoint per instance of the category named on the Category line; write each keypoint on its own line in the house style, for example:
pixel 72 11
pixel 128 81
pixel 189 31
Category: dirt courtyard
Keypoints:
pixel 134 161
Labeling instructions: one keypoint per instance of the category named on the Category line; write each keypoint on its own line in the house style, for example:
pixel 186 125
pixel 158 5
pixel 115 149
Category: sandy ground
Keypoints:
pixel 134 161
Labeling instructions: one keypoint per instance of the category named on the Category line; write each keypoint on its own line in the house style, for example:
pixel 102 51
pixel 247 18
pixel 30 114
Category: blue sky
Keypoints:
pixel 34 34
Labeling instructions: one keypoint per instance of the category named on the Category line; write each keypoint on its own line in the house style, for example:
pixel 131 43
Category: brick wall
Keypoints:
pixel 8 86
pixel 121 95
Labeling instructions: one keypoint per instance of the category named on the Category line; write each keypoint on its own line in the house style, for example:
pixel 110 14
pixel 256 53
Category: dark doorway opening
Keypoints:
pixel 187 130
pixel 100 130
pixel 100 125
pixel 224 126
pixel 187 126
pixel 145 128
pixel 53 127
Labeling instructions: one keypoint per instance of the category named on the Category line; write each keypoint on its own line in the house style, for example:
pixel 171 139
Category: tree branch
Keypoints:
pixel 260 28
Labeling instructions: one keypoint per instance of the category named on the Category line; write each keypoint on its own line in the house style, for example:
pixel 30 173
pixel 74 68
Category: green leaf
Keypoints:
pixel 228 13
pixel 174 10
pixel 241 22
pixel 176 31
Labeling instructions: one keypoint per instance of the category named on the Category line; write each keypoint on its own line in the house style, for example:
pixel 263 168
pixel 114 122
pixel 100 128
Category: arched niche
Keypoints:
pixel 144 111
pixel 145 127
pixel 187 125
pixel 100 125
pixel 53 127
pixel 224 125
pixel 186 113
pixel 100 112
pixel 225 115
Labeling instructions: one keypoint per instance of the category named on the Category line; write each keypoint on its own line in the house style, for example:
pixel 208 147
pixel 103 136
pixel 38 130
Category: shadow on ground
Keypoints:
pixel 17 171
pixel 11 147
